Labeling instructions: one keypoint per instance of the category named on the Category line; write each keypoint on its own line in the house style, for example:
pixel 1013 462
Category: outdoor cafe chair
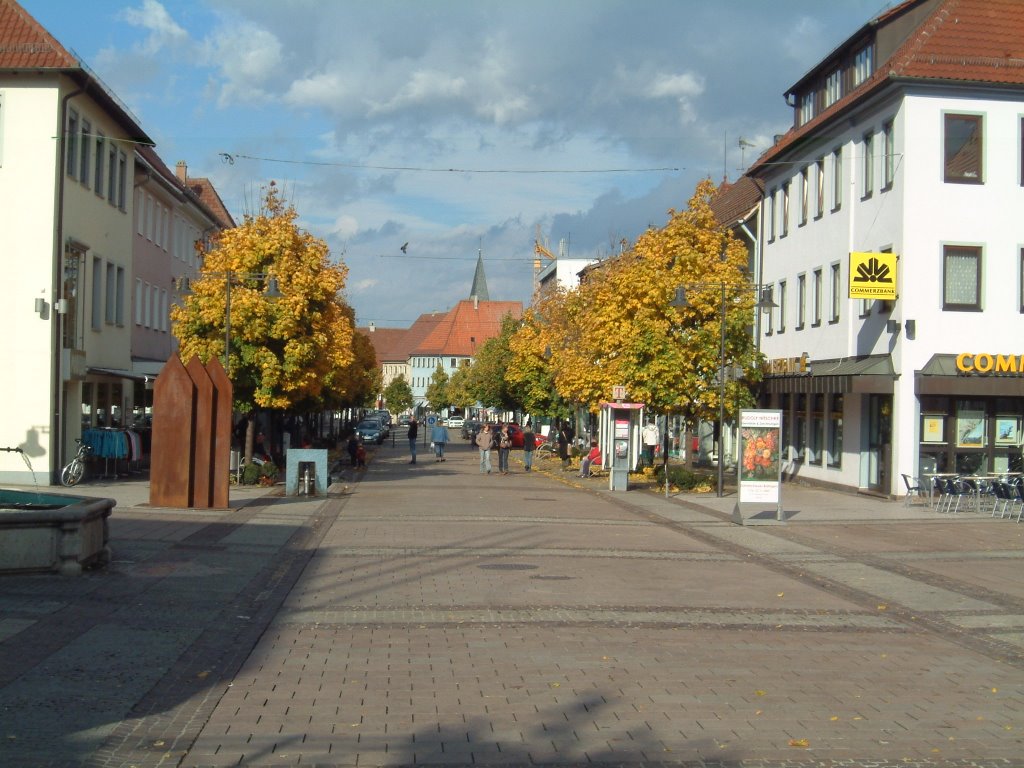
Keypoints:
pixel 956 489
pixel 914 490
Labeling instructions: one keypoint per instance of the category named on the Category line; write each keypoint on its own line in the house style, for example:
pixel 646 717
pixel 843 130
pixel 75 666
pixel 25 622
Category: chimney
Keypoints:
pixel 181 170
pixel 476 302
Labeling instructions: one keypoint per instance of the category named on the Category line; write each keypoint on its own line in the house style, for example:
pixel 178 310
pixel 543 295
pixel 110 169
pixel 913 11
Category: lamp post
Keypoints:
pixel 272 291
pixel 765 304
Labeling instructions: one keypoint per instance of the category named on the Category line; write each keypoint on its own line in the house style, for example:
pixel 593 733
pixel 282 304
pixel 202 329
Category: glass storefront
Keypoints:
pixel 969 435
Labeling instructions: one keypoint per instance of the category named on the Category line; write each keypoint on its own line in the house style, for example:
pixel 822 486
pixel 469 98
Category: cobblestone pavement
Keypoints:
pixel 431 615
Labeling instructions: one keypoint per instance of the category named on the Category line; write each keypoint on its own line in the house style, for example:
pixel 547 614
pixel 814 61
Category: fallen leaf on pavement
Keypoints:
pixel 802 743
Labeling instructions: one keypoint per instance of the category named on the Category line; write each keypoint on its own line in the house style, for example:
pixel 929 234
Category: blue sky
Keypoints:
pixel 589 118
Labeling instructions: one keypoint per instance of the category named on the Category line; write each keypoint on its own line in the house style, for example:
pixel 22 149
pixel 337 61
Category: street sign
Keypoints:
pixel 431 420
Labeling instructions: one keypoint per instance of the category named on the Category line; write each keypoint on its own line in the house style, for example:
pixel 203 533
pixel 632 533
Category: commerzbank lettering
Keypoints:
pixel 983 362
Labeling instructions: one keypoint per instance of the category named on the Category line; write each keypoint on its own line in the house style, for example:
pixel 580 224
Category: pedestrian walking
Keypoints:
pixel 563 445
pixel 483 442
pixel 353 447
pixel 360 454
pixel 413 432
pixel 439 437
pixel 650 438
pixel 529 439
pixel 504 448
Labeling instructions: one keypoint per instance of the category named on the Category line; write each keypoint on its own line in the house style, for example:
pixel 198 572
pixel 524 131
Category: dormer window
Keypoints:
pixel 806 107
pixel 832 89
pixel 863 65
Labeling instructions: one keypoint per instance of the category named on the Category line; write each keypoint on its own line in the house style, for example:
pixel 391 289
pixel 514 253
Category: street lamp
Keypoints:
pixel 765 304
pixel 230 276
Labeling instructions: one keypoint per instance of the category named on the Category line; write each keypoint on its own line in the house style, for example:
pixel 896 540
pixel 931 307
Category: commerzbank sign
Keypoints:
pixel 984 362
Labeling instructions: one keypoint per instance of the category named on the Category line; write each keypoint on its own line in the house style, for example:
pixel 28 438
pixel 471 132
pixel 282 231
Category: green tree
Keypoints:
pixel 487 377
pixel 437 390
pixel 458 390
pixel 398 395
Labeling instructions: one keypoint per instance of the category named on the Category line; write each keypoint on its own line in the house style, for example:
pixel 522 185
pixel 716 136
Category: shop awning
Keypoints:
pixel 940 376
pixel 868 373
pixel 118 373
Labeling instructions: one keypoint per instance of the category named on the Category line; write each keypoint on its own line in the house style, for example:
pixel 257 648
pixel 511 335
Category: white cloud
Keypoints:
pixel 684 86
pixel 248 56
pixel 423 87
pixel 164 31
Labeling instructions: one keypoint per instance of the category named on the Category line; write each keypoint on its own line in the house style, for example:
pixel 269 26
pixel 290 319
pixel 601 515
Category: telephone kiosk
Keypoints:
pixel 620 441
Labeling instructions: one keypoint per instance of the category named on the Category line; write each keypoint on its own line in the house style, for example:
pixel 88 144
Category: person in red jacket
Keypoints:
pixel 591 459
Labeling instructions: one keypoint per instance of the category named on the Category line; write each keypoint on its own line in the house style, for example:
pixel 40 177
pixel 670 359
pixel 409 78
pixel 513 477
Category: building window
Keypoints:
pixel 816 299
pixel 963 146
pixel 111 173
pixel 72 287
pixel 122 179
pixel 961 278
pixel 805 194
pixel 782 306
pixel 138 301
pixel 806 107
pixel 835 433
pixel 771 216
pixel 154 304
pixel 863 65
pixel 119 297
pixel 71 139
pixel 96 311
pixel 801 301
pixel 868 171
pixel 837 179
pixel 140 207
pixel 832 88
pixel 110 303
pixel 889 161
pixel 97 175
pixel 833 311
pixel 819 178
pixel 785 209
pixel 86 159
pixel 164 311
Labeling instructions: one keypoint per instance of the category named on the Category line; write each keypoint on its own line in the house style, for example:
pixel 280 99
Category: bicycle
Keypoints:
pixel 75 469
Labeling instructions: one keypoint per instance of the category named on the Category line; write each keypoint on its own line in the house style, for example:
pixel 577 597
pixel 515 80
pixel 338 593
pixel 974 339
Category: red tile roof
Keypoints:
pixel 389 344
pixel 734 202
pixel 961 41
pixel 468 325
pixel 26 46
pixel 203 189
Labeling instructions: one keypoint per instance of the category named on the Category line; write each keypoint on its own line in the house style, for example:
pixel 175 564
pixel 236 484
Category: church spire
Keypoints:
pixel 479 289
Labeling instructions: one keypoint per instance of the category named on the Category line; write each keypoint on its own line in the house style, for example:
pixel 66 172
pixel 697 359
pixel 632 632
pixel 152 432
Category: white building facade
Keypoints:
pixel 891 154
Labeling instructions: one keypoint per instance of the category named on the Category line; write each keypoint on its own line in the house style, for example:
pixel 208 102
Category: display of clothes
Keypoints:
pixel 111 443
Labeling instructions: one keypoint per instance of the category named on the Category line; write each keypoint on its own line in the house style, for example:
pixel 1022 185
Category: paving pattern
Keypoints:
pixel 432 616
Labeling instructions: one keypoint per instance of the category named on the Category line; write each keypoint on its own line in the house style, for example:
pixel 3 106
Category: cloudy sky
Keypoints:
pixel 456 125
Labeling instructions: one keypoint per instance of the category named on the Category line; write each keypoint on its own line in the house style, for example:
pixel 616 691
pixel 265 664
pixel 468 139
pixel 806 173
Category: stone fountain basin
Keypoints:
pixel 52 532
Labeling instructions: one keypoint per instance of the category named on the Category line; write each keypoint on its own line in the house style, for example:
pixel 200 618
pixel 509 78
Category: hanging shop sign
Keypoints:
pixel 984 362
pixel 780 366
pixel 873 276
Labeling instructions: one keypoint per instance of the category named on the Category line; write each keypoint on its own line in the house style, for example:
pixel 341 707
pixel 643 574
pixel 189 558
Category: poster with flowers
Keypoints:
pixel 760 467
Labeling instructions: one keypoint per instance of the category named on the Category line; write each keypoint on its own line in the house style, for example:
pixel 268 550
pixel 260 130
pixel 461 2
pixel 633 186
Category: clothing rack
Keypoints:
pixel 113 444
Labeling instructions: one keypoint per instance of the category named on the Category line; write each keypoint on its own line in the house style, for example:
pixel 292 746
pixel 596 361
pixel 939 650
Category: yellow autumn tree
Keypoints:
pixel 618 328
pixel 283 351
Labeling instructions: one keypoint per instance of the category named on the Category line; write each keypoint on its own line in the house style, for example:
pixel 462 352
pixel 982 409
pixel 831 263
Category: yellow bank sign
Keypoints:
pixel 872 275
pixel 983 362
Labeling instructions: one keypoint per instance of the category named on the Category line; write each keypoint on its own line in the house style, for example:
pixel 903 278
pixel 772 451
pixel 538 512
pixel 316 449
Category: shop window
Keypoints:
pixel 961 278
pixel 962 137
pixel 787 426
pixel 87 408
pixel 800 427
pixel 835 433
pixel 817 436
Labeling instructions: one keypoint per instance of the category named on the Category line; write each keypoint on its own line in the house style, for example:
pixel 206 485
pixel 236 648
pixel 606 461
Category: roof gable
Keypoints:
pixel 961 41
pixel 468 325
pixel 25 44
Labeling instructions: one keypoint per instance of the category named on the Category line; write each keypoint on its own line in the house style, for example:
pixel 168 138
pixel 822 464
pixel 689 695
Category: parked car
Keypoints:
pixel 470 428
pixel 371 430
pixel 456 421
pixel 404 420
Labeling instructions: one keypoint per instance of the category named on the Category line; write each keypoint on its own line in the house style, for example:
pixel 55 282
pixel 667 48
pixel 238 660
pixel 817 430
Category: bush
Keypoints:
pixel 251 474
pixel 685 480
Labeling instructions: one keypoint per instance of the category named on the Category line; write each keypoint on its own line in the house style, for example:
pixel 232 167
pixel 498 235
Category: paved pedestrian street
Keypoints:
pixel 430 615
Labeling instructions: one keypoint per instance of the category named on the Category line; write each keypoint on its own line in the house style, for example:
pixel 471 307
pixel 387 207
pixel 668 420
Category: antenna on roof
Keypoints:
pixel 744 144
